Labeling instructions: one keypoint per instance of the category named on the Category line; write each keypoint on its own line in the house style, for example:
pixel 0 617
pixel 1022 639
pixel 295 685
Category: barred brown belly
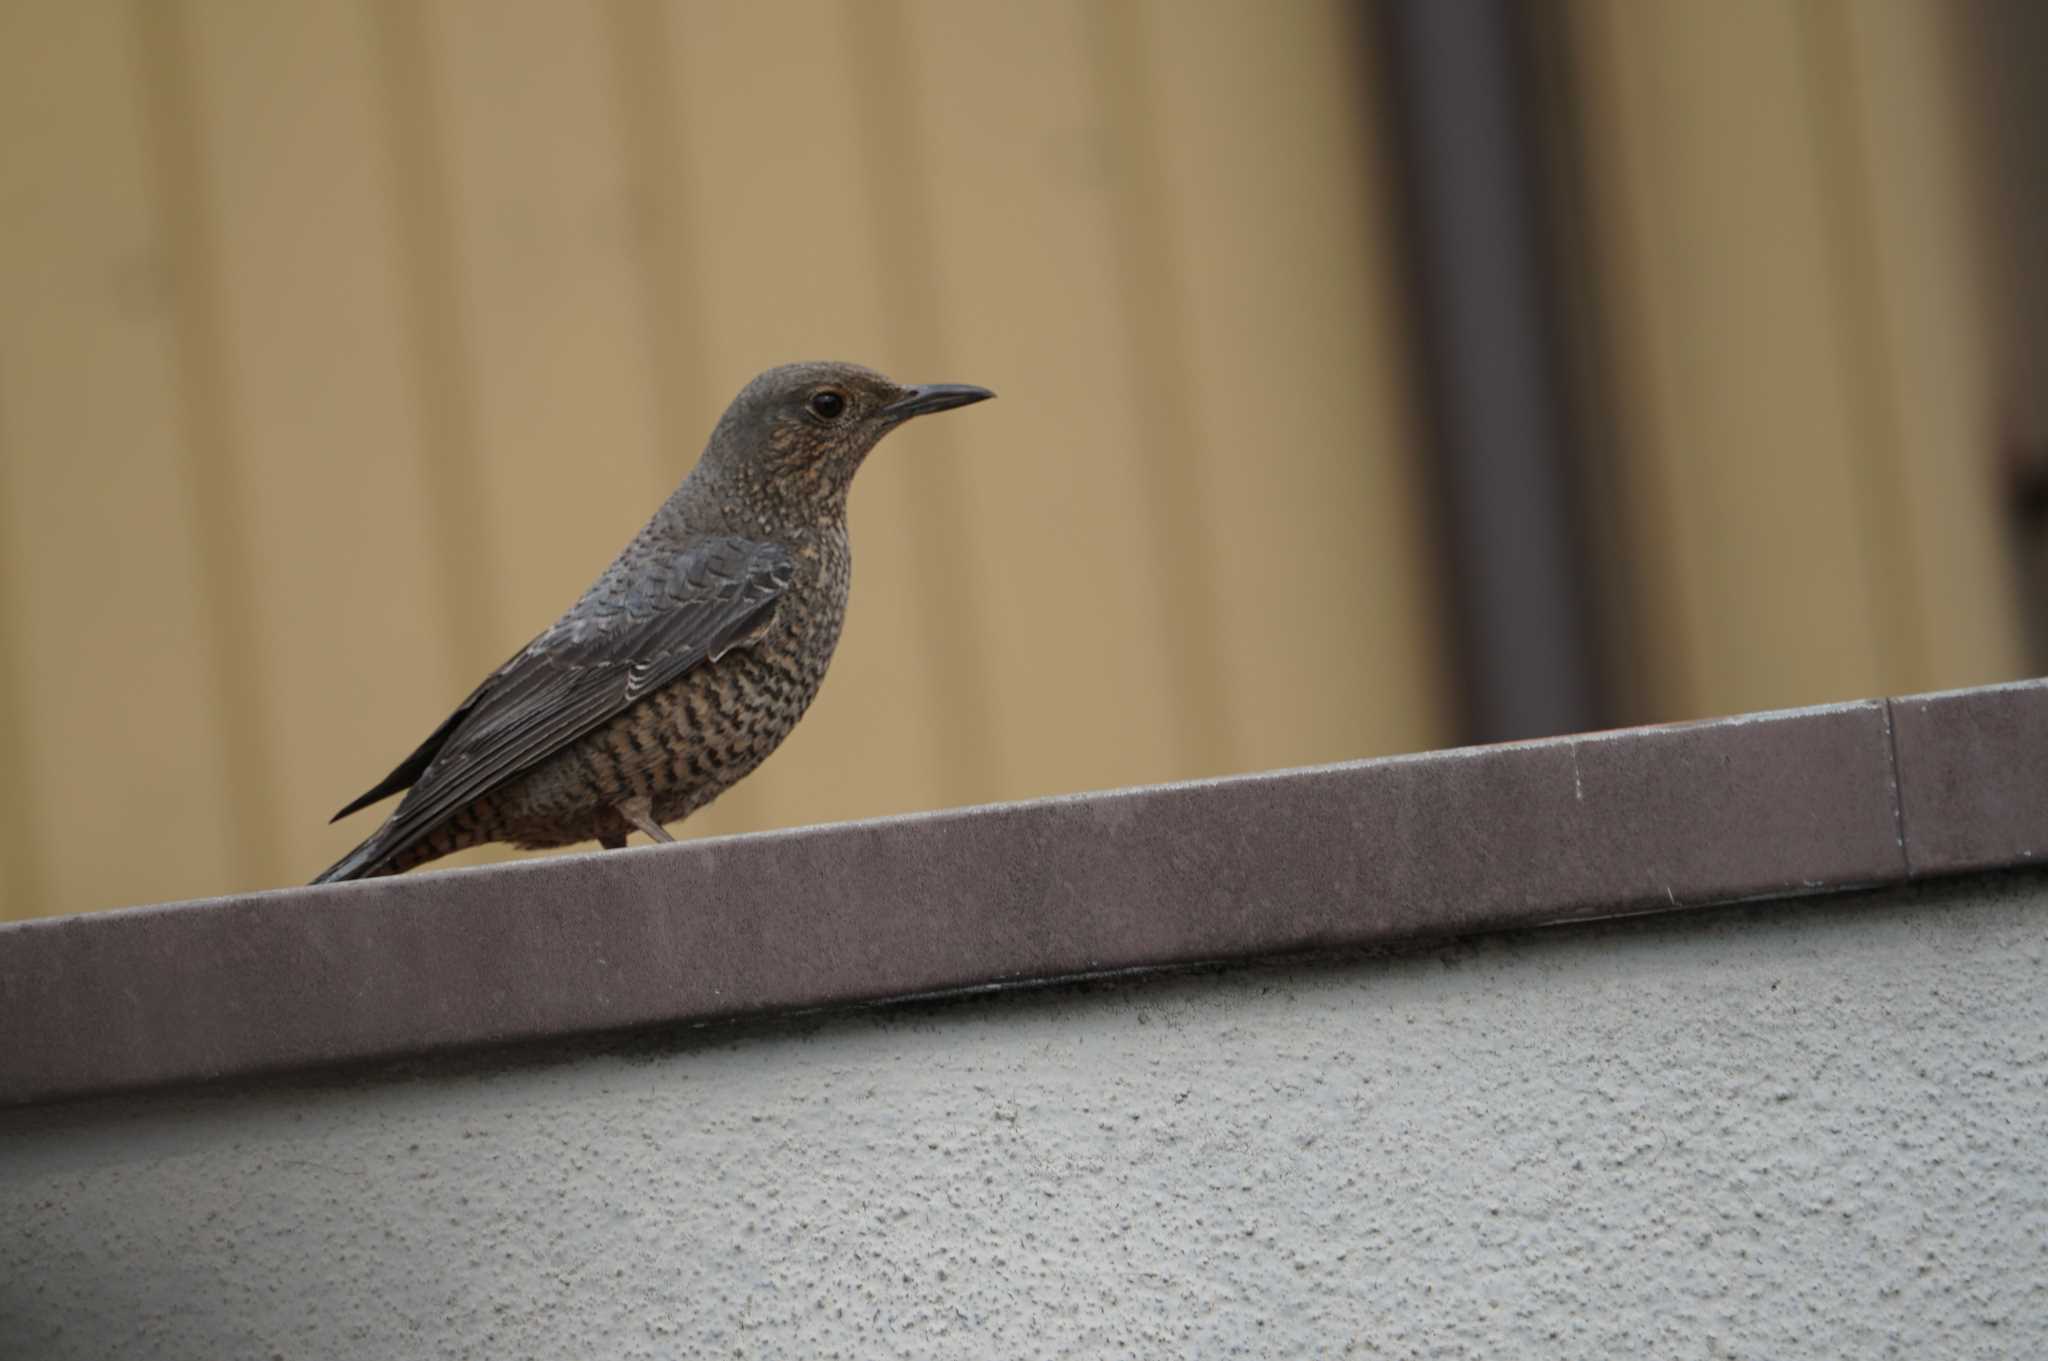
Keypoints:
pixel 680 748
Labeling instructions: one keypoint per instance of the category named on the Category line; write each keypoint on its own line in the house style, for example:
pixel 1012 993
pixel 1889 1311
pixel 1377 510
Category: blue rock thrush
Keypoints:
pixel 686 664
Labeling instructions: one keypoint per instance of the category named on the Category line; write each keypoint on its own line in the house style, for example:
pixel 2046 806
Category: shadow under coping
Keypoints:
pixel 1333 858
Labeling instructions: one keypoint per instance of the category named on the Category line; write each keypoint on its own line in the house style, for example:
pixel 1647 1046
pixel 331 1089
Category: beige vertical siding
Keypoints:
pixel 116 716
pixel 341 343
pixel 344 342
pixel 1903 130
pixel 1805 448
pixel 342 602
pixel 1067 623
pixel 1294 382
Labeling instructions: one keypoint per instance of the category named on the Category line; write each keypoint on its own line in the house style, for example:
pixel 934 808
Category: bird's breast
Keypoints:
pixel 683 744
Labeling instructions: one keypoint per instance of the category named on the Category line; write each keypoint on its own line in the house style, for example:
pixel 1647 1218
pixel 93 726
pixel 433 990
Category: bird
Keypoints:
pixel 686 663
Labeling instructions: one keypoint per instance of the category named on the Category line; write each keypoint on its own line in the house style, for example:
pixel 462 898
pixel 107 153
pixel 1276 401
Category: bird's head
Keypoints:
pixel 800 432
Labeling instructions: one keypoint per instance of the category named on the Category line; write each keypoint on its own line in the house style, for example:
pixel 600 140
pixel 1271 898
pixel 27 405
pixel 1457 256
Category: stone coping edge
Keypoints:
pixel 1336 857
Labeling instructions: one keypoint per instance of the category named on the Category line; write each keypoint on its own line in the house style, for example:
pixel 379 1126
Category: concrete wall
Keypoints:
pixel 1784 1130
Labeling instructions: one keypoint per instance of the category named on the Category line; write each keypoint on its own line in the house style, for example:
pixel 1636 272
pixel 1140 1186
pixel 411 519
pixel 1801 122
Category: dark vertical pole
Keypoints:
pixel 1491 361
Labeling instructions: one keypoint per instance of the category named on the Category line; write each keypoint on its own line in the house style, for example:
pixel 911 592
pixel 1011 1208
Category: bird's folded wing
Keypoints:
pixel 626 640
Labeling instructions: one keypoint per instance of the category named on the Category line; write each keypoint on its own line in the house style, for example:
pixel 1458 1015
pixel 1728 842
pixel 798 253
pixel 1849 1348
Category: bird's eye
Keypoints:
pixel 827 405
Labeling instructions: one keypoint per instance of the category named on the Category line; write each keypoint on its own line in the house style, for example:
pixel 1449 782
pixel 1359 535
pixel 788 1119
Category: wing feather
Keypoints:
pixel 630 636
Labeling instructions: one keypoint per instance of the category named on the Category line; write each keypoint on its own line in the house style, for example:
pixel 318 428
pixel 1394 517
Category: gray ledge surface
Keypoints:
pixel 1361 854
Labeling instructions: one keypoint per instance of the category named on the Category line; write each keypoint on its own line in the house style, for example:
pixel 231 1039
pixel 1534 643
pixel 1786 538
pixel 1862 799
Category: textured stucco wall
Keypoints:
pixel 1804 1130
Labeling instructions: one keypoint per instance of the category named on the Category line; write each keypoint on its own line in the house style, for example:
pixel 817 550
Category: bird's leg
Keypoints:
pixel 612 841
pixel 640 812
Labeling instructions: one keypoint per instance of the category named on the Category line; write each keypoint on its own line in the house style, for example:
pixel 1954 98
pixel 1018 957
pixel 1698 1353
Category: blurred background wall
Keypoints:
pixel 1374 377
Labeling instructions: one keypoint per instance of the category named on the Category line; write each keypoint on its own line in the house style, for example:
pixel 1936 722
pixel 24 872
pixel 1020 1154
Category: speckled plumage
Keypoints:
pixel 689 660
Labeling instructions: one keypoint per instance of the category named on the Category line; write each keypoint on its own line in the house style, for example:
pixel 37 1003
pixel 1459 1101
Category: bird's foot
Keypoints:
pixel 640 813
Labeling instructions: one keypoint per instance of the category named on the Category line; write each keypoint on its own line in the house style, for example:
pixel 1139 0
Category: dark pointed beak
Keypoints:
pixel 922 401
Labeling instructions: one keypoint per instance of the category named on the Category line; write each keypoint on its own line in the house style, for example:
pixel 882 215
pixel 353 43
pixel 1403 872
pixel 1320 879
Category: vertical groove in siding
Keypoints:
pixel 22 884
pixel 1612 55
pixel 216 503
pixel 662 239
pixel 1627 66
pixel 878 40
pixel 1864 328
pixel 1583 299
pixel 440 363
pixel 1204 733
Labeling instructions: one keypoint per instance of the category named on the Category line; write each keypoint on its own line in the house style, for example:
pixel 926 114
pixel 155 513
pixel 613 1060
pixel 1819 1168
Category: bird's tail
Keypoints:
pixel 366 861
pixel 395 848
